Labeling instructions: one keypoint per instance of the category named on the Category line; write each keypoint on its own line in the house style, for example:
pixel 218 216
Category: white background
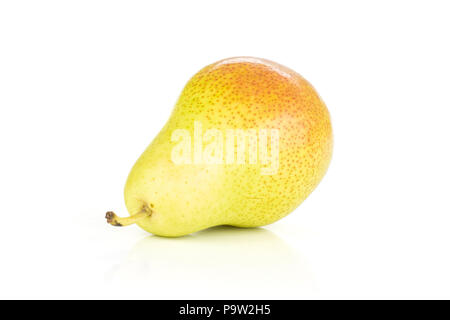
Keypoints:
pixel 86 85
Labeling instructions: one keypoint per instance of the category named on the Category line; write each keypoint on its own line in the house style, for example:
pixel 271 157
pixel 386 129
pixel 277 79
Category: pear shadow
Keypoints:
pixel 219 262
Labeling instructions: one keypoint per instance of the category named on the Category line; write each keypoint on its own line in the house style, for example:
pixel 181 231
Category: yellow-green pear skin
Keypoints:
pixel 240 93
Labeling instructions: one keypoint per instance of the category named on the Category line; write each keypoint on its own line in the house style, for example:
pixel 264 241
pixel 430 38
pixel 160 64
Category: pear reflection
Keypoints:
pixel 238 261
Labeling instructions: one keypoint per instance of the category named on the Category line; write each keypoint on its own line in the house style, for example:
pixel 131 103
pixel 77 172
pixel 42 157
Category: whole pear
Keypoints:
pixel 247 142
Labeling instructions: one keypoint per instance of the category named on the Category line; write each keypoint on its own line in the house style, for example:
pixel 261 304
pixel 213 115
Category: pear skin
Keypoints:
pixel 194 176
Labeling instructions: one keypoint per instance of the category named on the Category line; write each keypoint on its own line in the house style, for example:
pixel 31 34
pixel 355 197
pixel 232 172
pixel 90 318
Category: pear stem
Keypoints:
pixel 117 221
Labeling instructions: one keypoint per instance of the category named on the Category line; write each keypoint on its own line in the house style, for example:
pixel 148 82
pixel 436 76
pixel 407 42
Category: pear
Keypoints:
pixel 247 142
